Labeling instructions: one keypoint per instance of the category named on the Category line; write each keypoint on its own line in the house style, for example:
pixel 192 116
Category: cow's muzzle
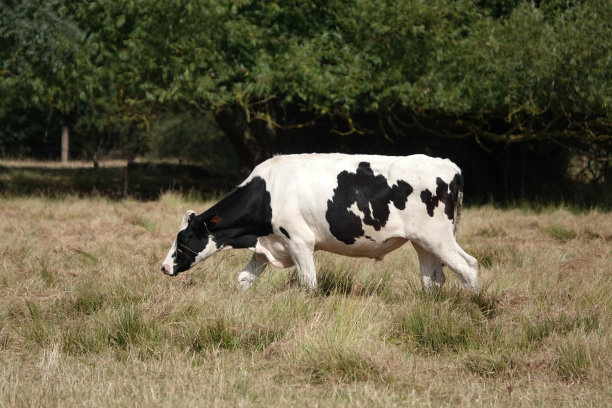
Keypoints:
pixel 167 270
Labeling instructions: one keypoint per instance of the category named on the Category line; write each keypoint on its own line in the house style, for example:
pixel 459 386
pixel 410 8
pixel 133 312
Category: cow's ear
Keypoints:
pixel 189 215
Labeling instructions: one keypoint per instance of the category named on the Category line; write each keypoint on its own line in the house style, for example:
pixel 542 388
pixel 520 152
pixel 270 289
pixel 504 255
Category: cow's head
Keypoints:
pixel 193 244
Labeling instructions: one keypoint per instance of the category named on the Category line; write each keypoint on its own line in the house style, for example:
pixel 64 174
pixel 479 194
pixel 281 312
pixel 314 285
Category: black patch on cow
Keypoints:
pixel 369 238
pixel 284 231
pixel 445 193
pixel 371 193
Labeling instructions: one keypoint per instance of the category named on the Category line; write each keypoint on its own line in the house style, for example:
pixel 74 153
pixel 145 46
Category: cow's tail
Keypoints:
pixel 457 192
pixel 458 216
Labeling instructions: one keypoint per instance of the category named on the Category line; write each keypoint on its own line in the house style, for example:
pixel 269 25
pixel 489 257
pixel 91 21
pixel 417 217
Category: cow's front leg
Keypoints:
pixel 431 269
pixel 251 271
pixel 306 272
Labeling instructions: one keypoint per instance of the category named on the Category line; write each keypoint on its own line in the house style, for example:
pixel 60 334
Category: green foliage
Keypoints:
pixel 506 70
pixel 193 137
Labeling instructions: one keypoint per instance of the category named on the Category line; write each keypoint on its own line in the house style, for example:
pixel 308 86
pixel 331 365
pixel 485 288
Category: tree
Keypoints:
pixel 496 72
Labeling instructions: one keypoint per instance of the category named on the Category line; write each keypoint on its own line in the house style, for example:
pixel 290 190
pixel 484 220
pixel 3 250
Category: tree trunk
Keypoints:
pixel 253 142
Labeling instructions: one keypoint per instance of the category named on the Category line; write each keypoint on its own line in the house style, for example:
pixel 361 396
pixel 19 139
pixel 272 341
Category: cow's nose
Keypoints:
pixel 166 269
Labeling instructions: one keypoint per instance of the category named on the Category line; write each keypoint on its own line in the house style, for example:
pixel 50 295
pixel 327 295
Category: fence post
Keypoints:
pixel 125 181
pixel 65 144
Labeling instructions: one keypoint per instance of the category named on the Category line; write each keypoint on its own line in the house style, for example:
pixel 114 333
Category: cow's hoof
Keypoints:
pixel 243 285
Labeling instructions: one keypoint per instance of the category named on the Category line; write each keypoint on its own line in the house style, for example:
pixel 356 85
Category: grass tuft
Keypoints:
pixel 560 233
pixel 491 255
pixel 487 363
pixel 487 304
pixel 575 359
pixel 37 329
pixel 222 334
pixel 338 280
pixel 140 221
pixel 536 329
pixel 80 340
pixel 339 363
pixel 491 232
pixel 89 299
pixel 437 327
pixel 129 329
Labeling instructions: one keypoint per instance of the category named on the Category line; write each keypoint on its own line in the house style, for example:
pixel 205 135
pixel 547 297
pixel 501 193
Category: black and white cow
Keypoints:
pixel 355 205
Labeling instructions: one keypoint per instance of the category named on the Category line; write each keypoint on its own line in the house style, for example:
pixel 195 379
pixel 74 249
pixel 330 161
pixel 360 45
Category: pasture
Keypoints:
pixel 88 319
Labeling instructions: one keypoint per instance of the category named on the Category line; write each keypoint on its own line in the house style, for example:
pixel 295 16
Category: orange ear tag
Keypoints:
pixel 215 219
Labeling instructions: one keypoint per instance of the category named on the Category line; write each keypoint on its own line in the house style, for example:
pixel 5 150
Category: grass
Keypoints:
pixel 87 319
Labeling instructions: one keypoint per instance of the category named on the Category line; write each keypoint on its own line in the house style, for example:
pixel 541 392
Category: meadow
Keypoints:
pixel 88 319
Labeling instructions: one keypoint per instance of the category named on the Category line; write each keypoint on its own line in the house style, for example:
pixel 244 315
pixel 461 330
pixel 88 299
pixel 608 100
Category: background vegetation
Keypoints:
pixel 87 318
pixel 516 92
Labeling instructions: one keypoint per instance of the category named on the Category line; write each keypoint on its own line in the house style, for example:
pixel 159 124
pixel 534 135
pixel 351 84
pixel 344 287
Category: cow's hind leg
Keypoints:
pixel 251 271
pixel 460 262
pixel 431 269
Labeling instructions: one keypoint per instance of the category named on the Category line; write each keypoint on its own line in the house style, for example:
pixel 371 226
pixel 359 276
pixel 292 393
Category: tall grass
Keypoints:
pixel 87 319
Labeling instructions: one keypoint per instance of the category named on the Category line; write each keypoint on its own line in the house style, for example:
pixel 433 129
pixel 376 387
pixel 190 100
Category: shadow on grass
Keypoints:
pixel 146 181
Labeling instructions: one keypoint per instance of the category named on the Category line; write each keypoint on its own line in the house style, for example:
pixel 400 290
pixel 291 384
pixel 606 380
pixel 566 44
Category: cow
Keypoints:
pixel 353 205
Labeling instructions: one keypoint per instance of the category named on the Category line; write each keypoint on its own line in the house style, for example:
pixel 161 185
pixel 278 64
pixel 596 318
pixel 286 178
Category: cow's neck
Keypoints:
pixel 242 216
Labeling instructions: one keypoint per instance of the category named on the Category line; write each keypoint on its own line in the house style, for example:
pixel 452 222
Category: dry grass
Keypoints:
pixel 87 319
pixel 54 164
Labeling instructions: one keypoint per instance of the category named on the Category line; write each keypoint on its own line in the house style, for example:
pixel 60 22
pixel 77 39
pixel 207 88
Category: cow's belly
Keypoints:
pixel 363 247
pixel 279 255
pixel 275 250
